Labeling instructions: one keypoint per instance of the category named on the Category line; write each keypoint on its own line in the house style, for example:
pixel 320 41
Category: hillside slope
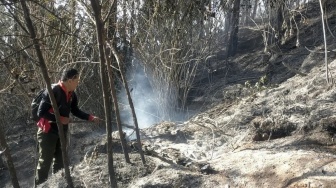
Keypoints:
pixel 266 120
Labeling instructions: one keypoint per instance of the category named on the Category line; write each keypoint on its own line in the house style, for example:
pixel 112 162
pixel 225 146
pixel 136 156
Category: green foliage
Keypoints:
pixel 261 84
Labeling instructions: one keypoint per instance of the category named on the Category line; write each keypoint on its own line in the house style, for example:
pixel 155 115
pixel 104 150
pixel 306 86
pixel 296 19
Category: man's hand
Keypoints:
pixel 95 119
pixel 65 120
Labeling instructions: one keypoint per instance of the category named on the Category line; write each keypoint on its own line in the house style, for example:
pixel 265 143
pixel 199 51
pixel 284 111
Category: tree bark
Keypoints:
pixel 247 12
pixel 325 43
pixel 73 30
pixel 131 106
pixel 108 119
pixel 233 38
pixel 116 109
pixel 46 78
pixel 254 13
pixel 280 19
pixel 109 59
pixel 129 95
pixel 9 159
pixel 2 165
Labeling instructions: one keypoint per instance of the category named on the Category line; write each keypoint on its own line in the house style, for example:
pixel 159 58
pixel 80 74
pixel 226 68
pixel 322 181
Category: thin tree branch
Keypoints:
pixel 15 18
pixel 87 12
pixel 325 43
pixel 46 78
pixel 109 12
pixel 16 52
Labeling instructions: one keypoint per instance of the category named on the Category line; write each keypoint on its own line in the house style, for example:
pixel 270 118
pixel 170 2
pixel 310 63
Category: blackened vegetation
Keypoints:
pixel 328 125
pixel 263 133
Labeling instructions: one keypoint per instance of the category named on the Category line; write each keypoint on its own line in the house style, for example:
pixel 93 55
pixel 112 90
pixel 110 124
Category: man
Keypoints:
pixel 49 145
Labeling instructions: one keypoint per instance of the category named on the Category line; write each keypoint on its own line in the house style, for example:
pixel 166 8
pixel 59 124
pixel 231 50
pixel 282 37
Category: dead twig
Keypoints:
pixel 325 43
pixel 213 137
pixel 293 70
pixel 319 52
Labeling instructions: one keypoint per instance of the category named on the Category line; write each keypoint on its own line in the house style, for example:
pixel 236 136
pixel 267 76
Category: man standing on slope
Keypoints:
pixel 49 145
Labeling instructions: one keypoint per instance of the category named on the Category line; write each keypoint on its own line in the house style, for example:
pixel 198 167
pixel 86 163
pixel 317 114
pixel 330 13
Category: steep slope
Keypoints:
pixel 266 120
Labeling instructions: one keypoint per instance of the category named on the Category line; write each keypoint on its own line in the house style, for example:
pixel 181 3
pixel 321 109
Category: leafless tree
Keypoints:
pixel 101 36
pixel 5 149
pixel 44 70
pixel 255 6
pixel 120 58
pixel 325 41
pixel 172 40
pixel 234 28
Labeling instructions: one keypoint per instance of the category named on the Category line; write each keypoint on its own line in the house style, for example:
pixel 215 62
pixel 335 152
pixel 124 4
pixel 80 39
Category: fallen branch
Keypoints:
pixel 213 136
pixel 293 70
pixel 153 153
pixel 319 51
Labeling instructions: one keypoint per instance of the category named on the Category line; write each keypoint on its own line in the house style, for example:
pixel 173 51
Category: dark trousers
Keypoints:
pixel 49 148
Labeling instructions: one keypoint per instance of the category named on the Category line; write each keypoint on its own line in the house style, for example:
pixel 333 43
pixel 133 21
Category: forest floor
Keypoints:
pixel 265 120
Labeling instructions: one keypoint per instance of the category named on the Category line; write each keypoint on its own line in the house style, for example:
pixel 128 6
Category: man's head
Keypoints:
pixel 70 77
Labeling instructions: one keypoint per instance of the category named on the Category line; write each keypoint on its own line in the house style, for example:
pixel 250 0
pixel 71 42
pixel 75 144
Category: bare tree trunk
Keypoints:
pixel 2 165
pixel 46 78
pixel 112 21
pixel 126 48
pixel 73 29
pixel 247 11
pixel 9 159
pixel 128 92
pixel 72 59
pixel 233 38
pixel 129 95
pixel 254 13
pixel 227 25
pixel 116 109
pixel 109 59
pixel 131 106
pixel 279 21
pixel 132 21
pixel 325 42
pixel 228 18
pixel 108 119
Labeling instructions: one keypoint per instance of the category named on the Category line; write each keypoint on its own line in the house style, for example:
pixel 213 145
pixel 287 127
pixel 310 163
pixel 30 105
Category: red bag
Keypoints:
pixel 44 125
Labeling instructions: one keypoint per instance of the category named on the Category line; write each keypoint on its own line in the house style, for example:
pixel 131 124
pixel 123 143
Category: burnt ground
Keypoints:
pixel 265 120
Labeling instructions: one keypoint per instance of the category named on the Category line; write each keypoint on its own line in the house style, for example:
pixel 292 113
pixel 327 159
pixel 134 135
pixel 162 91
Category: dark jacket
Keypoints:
pixel 66 104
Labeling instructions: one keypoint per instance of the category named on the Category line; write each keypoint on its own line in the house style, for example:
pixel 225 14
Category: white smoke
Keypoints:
pixel 143 97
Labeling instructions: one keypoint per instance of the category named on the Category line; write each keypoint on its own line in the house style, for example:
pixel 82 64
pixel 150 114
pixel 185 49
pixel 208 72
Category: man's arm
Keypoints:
pixel 77 112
